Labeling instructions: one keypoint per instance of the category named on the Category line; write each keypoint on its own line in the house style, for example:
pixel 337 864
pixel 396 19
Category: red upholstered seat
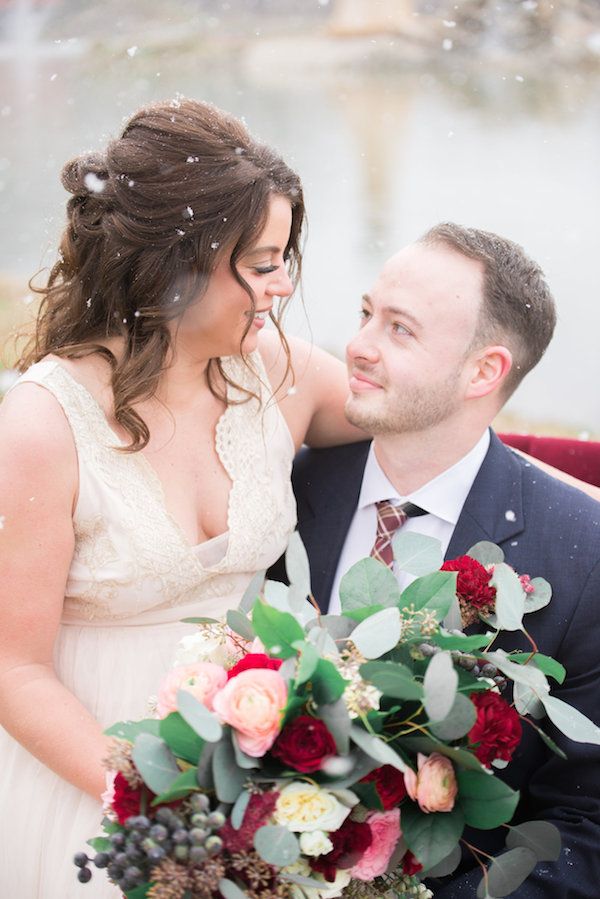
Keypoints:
pixel 580 458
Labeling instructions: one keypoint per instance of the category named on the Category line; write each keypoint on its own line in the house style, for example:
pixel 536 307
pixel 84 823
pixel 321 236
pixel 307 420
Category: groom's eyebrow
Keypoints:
pixel 395 310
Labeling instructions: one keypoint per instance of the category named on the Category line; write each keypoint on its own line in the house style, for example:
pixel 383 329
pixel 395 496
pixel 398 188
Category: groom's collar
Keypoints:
pixel 443 496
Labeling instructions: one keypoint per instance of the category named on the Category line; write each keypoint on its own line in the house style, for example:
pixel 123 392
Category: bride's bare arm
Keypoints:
pixel 38 487
pixel 314 407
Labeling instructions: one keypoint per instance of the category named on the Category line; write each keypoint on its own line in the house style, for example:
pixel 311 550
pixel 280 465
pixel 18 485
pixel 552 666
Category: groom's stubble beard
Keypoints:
pixel 405 409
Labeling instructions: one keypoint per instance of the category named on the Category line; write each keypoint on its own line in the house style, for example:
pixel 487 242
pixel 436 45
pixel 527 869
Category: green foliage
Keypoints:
pixel 545 663
pixel 417 554
pixel 155 762
pixel 368 583
pixel 510 598
pixel 458 722
pixel 507 873
pixel 277 630
pixel 181 739
pixel 276 845
pixel 378 634
pixel 431 837
pixel 541 837
pixel 327 683
pixel 239 623
pixel 182 786
pixel 203 722
pixel 434 592
pixel 440 683
pixel 486 801
pixel 393 679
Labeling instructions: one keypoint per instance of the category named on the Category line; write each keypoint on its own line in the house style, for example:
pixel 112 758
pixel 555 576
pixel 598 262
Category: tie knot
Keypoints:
pixel 389 516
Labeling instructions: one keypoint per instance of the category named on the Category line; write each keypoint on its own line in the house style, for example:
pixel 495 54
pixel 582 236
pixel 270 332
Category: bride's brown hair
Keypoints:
pixel 183 186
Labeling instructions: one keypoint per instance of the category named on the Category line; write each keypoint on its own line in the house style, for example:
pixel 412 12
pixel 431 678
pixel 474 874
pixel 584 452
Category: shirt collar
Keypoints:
pixel 443 496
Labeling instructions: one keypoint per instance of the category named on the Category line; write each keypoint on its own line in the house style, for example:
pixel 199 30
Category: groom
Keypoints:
pixel 452 325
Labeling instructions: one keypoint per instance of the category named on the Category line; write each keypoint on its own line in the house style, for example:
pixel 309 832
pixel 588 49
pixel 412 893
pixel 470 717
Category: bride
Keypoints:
pixel 145 454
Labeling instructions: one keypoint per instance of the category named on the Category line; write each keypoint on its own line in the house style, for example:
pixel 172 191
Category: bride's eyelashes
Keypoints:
pixel 265 270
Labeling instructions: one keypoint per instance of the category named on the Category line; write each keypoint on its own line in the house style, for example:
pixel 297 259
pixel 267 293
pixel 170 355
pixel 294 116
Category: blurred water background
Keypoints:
pixel 396 113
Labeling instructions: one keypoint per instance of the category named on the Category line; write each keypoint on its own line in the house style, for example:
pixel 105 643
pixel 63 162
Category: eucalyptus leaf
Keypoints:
pixel 155 762
pixel 308 661
pixel 277 630
pixel 359 765
pixel 486 801
pixel 181 739
pixel 463 643
pixel 277 595
pixel 200 620
pixel 431 837
pixel 239 809
pixel 541 837
pixel 527 702
pixel 253 591
pixel 440 683
pixel 337 626
pixel 241 759
pixel 510 598
pixel 453 618
pixel 486 553
pixel 499 764
pixel 323 641
pixel 458 722
pixel 203 722
pixel 435 592
pixel 229 890
pixel 461 758
pixel 181 787
pixel 549 742
pixel 447 865
pixel 393 679
pixel 417 554
pixel 204 775
pixel 375 747
pixel 327 683
pixel 378 634
pixel 524 674
pixel 140 892
pixel 229 779
pixel 507 872
pixel 302 881
pixel 296 563
pixel 541 596
pixel 368 583
pixel 276 845
pixel 545 663
pixel 570 721
pixel 240 623
pixel 335 717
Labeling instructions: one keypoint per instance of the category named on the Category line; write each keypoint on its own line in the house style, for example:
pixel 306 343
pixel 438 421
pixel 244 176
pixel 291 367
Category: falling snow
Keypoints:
pixel 510 515
pixel 93 183
pixel 132 51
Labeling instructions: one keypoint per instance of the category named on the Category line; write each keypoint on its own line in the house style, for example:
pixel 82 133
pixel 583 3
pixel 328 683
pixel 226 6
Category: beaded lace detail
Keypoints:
pixel 130 553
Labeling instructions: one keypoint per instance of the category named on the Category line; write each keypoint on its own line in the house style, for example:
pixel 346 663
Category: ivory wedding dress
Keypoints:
pixel 133 577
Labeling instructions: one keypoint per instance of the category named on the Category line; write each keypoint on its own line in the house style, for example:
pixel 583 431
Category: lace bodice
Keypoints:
pixel 132 562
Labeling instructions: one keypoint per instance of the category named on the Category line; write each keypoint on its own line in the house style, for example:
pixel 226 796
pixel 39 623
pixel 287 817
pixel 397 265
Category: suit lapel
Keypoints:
pixel 331 506
pixel 493 509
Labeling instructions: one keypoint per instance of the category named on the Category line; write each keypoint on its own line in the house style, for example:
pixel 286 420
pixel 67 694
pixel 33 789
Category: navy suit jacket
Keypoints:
pixel 551 531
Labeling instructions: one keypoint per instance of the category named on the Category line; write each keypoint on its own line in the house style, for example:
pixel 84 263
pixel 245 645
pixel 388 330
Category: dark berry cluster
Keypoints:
pixel 186 835
pixel 468 663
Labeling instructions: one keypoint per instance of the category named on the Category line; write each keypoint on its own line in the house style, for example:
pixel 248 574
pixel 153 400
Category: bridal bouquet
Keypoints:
pixel 310 756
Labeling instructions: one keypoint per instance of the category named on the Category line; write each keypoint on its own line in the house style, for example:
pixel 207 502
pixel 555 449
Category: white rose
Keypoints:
pixel 328 891
pixel 304 807
pixel 212 643
pixel 315 842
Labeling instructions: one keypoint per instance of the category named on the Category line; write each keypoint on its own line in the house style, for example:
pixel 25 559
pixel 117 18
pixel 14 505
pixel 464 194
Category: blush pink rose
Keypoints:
pixel 434 785
pixel 202 679
pixel 252 703
pixel 385 829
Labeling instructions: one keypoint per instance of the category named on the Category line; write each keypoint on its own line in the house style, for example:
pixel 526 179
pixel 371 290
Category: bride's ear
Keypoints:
pixel 489 370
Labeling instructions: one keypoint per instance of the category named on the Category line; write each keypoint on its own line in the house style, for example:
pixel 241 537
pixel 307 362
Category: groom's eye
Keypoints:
pixel 363 315
pixel 400 329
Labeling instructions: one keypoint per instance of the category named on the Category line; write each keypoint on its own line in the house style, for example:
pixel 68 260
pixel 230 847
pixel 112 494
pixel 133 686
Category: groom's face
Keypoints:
pixel 409 363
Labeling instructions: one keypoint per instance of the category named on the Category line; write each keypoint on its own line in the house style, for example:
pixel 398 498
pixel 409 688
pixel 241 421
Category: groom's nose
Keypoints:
pixel 362 347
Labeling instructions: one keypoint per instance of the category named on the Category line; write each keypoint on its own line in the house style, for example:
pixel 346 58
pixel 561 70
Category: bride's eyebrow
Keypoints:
pixel 255 251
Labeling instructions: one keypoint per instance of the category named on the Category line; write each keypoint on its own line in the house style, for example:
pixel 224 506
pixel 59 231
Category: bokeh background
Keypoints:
pixel 396 113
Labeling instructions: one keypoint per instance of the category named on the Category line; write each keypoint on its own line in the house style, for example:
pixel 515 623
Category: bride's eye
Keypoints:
pixel 265 270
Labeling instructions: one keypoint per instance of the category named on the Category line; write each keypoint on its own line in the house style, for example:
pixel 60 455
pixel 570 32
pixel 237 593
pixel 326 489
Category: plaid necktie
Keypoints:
pixel 389 519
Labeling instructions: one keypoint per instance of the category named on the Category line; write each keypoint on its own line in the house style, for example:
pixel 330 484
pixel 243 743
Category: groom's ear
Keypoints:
pixel 489 369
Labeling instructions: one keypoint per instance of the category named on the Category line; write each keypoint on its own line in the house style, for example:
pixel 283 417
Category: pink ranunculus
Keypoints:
pixel 252 703
pixel 202 679
pixel 385 828
pixel 434 785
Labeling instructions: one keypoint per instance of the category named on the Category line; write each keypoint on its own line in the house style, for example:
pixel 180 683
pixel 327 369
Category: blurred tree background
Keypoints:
pixel 396 113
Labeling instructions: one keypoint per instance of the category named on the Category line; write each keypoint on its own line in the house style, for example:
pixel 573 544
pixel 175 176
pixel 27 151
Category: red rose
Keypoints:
pixel 389 783
pixel 410 865
pixel 258 812
pixel 254 660
pixel 127 800
pixel 350 843
pixel 497 731
pixel 303 744
pixel 472 587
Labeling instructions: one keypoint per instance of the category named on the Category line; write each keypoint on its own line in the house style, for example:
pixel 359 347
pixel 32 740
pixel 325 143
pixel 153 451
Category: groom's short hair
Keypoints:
pixel 518 308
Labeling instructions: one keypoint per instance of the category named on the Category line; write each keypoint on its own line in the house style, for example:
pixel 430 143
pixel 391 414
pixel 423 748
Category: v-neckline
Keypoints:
pixel 148 469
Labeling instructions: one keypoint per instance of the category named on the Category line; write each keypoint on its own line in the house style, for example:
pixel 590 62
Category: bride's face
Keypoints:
pixel 215 325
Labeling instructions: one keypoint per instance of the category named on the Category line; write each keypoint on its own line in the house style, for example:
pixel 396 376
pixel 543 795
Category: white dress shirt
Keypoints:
pixel 443 498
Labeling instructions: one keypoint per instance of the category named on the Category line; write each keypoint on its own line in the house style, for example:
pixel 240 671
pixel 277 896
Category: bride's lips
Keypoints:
pixel 359 383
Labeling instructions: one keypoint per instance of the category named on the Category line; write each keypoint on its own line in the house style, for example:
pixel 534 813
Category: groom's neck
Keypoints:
pixel 411 460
